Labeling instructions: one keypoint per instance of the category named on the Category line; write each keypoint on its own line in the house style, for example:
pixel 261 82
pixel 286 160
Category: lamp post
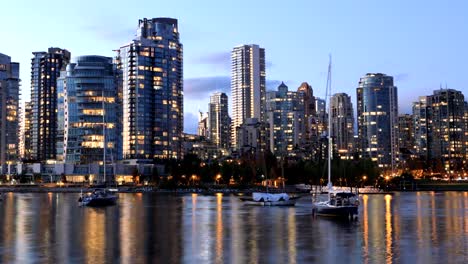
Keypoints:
pixel 363 180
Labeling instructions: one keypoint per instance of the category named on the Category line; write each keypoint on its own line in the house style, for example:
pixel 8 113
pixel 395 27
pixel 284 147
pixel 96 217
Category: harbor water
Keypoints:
pixel 416 227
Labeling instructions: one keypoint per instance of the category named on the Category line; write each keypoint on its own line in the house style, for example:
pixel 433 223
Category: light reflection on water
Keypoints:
pixel 426 226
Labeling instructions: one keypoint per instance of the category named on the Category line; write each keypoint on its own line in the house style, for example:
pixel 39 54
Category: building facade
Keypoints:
pixel 248 86
pixel 251 137
pixel 203 125
pixel 420 126
pixel 25 143
pixel 441 129
pixel 45 70
pixel 377 110
pixel 406 141
pixel 285 120
pixel 311 134
pixel 9 112
pixel 219 120
pixel 342 125
pixel 88 111
pixel 151 82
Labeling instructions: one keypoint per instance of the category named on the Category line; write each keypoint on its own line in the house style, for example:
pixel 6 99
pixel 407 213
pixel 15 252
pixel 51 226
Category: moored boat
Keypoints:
pixel 99 197
pixel 270 199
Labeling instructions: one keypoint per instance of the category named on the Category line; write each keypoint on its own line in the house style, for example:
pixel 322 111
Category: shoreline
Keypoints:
pixel 445 187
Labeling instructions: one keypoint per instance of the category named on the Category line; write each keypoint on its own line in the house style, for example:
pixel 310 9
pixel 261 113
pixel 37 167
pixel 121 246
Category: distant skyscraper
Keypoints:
pixel 25 132
pixel 309 114
pixel 219 121
pixel 247 85
pixel 420 126
pixel 285 120
pixel 87 101
pixel 377 111
pixel 406 136
pixel 203 125
pixel 251 137
pixel 9 112
pixel 321 118
pixel 152 86
pixel 45 69
pixel 443 126
pixel 342 124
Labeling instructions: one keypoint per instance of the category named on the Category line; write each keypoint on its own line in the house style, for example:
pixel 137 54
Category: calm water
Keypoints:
pixel 421 227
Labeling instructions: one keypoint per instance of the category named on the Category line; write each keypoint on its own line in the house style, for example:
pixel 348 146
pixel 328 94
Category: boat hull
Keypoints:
pixel 249 201
pixel 98 201
pixel 336 211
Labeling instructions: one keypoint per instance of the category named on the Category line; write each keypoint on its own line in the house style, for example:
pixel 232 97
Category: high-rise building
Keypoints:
pixel 203 125
pixel 406 136
pixel 285 119
pixel 45 69
pixel 420 126
pixel 219 121
pixel 25 146
pixel 342 125
pixel 150 71
pixel 444 128
pixel 247 86
pixel 321 116
pixel 9 112
pixel 311 134
pixel 377 109
pixel 251 137
pixel 88 111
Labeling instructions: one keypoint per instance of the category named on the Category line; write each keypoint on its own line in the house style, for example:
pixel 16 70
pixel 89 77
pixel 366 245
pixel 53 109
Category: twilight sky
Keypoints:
pixel 421 43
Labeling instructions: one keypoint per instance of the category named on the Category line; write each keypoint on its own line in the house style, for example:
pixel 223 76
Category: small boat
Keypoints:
pixel 99 197
pixel 339 204
pixel 270 199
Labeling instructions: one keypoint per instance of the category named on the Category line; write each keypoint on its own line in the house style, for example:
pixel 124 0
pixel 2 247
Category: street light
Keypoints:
pixel 218 177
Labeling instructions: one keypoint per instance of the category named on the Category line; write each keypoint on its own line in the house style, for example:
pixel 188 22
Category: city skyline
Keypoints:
pixel 422 53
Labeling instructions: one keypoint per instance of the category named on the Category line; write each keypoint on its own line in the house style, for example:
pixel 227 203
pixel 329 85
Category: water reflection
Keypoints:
pixel 427 226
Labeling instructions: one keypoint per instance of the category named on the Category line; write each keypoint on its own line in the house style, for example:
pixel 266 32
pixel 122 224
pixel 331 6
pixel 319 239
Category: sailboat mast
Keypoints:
pixel 330 147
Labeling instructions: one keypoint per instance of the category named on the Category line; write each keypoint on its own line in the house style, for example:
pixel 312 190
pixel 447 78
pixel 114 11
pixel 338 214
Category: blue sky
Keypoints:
pixel 421 43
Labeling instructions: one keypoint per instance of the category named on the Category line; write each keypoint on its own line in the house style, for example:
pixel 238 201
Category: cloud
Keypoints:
pixel 200 88
pixel 190 123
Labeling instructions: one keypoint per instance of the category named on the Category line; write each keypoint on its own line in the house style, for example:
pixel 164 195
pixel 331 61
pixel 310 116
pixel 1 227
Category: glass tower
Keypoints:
pixel 219 120
pixel 151 82
pixel 377 110
pixel 285 118
pixel 9 112
pixel 247 86
pixel 342 125
pixel 88 111
pixel 45 69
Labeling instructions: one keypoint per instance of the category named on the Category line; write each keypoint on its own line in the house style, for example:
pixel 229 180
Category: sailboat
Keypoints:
pixel 270 199
pixel 340 203
pixel 100 197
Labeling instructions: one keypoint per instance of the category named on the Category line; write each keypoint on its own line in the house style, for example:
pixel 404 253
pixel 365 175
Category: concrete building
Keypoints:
pixel 420 126
pixel 342 125
pixel 9 113
pixel 247 86
pixel 151 82
pixel 251 137
pixel 203 125
pixel 285 120
pixel 45 69
pixel 377 109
